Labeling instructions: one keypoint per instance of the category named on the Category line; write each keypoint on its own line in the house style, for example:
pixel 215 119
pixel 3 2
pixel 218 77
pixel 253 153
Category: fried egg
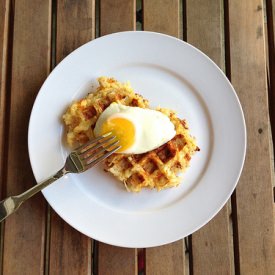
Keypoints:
pixel 138 130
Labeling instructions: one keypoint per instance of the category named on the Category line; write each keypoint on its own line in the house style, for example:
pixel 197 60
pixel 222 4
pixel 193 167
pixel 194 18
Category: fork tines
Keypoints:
pixel 97 150
pixel 85 146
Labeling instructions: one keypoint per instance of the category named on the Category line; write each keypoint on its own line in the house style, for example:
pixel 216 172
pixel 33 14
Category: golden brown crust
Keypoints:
pixel 158 168
pixel 81 116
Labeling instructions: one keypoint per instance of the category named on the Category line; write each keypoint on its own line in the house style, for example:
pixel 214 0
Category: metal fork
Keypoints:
pixel 78 161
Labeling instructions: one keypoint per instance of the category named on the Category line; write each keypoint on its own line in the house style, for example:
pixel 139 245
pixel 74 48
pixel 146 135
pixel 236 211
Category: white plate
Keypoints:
pixel 172 74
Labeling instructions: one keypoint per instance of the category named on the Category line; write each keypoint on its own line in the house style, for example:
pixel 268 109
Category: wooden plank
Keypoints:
pixel 167 259
pixel 75 25
pixel 161 16
pixel 164 18
pixel 116 260
pixel 212 248
pixel 174 262
pixel 4 35
pixel 254 199
pixel 117 16
pixel 205 28
pixel 25 230
pixel 4 30
pixel 70 251
pixel 212 245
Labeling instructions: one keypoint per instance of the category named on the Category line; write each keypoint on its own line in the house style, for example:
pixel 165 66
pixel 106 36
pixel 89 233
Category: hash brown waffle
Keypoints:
pixel 80 118
pixel 158 168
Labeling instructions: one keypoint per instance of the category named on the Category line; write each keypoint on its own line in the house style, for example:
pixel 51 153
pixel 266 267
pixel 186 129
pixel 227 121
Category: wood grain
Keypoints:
pixel 4 41
pixel 116 260
pixel 70 251
pixel 161 16
pixel 75 25
pixel 205 28
pixel 117 16
pixel 212 245
pixel 25 230
pixel 167 259
pixel 4 31
pixel 164 18
pixel 254 199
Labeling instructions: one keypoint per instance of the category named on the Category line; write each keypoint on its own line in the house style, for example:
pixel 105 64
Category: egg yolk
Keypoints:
pixel 123 129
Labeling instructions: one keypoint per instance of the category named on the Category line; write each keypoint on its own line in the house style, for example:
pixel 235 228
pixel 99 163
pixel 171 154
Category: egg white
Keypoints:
pixel 152 128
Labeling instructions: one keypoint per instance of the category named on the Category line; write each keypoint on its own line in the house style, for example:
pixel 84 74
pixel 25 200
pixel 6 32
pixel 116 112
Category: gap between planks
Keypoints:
pixel 52 58
pixel 270 56
pixel 234 215
pixel 270 49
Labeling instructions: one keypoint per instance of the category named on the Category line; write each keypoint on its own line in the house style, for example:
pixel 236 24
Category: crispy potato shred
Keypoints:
pixel 159 168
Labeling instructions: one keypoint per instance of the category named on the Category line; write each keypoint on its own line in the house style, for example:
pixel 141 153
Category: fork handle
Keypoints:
pixel 11 204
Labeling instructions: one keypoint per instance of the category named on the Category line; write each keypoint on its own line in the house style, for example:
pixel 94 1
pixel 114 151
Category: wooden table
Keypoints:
pixel 238 35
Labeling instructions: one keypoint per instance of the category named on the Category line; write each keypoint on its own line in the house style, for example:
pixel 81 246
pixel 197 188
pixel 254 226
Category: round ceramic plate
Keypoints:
pixel 172 74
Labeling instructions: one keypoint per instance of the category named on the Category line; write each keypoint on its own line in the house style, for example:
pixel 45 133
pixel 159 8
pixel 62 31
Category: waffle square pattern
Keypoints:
pixel 160 168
